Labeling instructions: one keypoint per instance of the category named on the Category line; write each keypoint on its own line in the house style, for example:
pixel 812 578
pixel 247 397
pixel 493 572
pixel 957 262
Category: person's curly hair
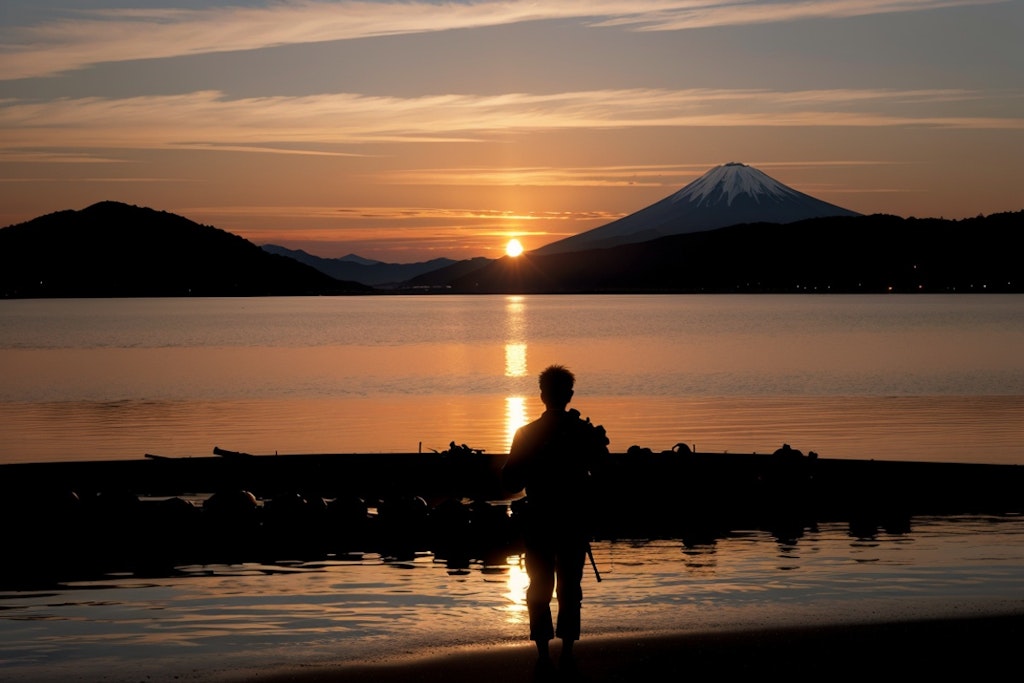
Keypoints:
pixel 557 381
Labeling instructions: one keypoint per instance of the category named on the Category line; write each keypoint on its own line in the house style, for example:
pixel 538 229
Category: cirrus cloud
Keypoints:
pixel 318 124
pixel 86 37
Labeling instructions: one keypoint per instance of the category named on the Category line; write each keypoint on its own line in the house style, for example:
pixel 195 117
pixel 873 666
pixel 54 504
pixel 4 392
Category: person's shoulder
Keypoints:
pixel 530 429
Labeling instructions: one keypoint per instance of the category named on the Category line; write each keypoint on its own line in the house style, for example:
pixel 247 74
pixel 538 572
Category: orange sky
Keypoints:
pixel 353 127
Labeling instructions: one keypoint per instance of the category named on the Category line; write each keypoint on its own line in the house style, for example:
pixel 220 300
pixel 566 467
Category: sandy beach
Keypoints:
pixel 979 646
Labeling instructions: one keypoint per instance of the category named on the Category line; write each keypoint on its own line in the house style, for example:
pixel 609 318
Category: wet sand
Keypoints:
pixel 981 647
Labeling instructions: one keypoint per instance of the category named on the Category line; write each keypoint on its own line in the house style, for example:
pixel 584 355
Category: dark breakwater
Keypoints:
pixel 80 519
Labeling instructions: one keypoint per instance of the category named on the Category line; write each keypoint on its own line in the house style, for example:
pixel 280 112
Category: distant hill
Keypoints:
pixel 726 195
pixel 117 250
pixel 442 278
pixel 852 254
pixel 357 269
pixel 112 249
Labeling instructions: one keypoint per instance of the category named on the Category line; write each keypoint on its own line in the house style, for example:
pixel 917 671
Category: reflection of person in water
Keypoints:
pixel 552 458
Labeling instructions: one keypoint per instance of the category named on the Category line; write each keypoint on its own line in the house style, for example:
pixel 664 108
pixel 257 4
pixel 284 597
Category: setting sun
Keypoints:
pixel 513 248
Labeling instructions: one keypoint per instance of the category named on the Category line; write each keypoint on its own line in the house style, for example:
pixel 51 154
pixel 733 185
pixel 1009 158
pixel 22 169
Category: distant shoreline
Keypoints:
pixel 449 292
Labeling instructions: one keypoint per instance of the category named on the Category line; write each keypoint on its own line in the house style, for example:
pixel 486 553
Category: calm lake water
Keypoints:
pixel 218 621
pixel 903 377
pixel 887 377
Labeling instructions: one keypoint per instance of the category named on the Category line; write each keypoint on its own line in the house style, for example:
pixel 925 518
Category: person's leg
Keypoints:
pixel 569 569
pixel 540 567
pixel 566 658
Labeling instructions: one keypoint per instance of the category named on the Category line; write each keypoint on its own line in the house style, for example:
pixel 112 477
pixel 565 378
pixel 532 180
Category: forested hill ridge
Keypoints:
pixel 846 254
pixel 117 250
pixel 112 249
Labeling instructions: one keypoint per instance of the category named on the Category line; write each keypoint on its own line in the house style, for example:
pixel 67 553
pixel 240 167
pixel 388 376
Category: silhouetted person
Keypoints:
pixel 552 458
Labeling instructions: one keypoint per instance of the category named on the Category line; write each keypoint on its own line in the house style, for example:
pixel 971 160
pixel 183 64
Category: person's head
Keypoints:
pixel 556 384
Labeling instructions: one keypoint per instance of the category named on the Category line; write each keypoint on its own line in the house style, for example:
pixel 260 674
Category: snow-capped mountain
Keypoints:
pixel 726 195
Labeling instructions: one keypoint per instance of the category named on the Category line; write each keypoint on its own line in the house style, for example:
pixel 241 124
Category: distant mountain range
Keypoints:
pixel 846 254
pixel 726 195
pixel 112 249
pixel 359 269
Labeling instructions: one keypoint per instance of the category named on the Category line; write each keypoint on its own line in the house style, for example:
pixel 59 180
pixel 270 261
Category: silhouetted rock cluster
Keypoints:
pixel 76 520
pixel 59 537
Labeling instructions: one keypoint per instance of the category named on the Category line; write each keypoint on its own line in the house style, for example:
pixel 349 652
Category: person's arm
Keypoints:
pixel 513 477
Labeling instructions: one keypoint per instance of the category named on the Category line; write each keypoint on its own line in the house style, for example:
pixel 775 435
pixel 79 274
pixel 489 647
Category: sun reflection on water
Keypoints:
pixel 515 318
pixel 515 360
pixel 515 417
pixel 516 582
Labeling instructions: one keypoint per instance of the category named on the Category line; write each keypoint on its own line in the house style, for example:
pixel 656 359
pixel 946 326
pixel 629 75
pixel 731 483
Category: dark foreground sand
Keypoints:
pixel 980 648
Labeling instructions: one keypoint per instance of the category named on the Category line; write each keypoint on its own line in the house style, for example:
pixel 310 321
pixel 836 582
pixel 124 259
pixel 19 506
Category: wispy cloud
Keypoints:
pixel 318 124
pixel 52 157
pixel 618 176
pixel 452 230
pixel 715 14
pixel 86 37
pixel 399 214
pixel 668 175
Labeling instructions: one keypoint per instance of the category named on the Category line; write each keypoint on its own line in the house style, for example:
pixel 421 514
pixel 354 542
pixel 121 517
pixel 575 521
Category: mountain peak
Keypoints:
pixel 730 181
pixel 729 194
